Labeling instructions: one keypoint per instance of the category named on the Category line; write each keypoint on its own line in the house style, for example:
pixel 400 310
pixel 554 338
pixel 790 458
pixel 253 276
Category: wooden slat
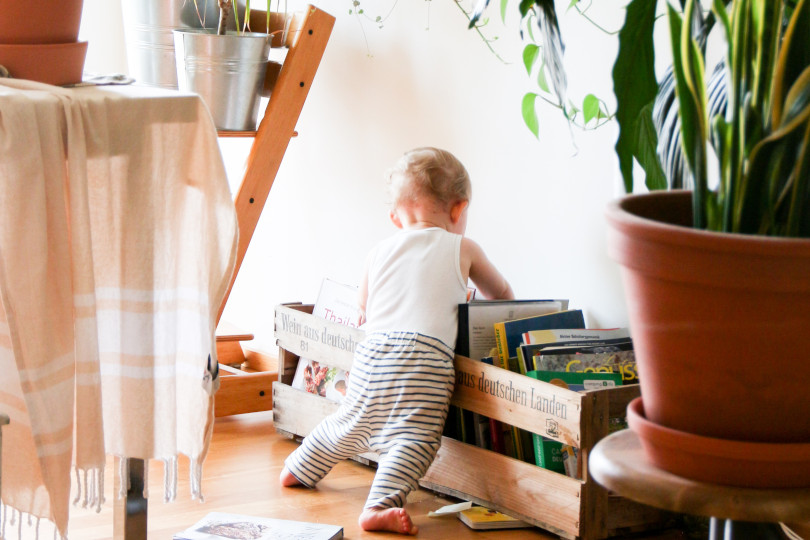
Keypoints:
pixel 230 353
pixel 277 127
pixel 538 496
pixel 316 338
pixel 259 361
pixel 518 400
pixel 246 393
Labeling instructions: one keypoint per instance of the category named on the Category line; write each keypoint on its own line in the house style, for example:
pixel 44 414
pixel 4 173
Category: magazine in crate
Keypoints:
pixel 337 303
pixel 220 526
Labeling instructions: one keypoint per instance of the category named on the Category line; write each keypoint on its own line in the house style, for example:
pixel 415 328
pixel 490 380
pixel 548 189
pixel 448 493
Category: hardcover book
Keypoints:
pixel 221 526
pixel 476 335
pixel 482 518
pixel 555 455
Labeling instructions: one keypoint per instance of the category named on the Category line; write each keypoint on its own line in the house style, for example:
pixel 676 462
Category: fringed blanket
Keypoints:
pixel 117 243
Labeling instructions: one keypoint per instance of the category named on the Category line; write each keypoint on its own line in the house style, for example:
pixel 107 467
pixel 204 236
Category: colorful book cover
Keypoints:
pixel 509 334
pixel 555 455
pixel 476 336
pixel 222 526
pixel 622 362
pixel 482 518
pixel 337 303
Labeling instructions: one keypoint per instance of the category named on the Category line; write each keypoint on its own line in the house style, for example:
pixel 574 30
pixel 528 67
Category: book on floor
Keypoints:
pixel 221 526
pixel 479 517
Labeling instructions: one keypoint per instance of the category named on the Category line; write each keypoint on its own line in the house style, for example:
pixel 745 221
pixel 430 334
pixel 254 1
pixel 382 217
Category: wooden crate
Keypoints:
pixel 566 506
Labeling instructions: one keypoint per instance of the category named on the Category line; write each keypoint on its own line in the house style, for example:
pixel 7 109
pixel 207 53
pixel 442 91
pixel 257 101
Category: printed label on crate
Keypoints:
pixel 518 400
pixel 316 338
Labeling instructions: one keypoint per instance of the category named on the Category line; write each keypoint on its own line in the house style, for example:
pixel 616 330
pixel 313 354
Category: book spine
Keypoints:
pixel 500 339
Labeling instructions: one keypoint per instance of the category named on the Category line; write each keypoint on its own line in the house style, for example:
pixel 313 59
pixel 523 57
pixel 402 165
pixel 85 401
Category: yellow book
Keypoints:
pixel 479 517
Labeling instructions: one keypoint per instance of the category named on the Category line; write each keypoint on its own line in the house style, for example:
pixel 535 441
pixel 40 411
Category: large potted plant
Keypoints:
pixel 39 40
pixel 229 68
pixel 717 278
pixel 719 312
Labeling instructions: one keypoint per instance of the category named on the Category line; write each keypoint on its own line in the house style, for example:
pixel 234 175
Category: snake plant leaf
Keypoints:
pixel 477 11
pixel 634 82
pixel 687 68
pixel 668 127
pixel 794 56
pixel 645 144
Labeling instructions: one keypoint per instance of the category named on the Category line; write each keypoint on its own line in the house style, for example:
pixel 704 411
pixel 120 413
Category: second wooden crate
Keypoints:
pixel 566 506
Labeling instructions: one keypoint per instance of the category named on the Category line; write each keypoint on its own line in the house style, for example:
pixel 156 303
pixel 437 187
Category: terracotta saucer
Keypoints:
pixel 721 461
pixel 50 63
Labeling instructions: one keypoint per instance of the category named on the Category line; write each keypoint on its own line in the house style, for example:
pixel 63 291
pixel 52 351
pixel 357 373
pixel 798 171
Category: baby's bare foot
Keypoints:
pixel 387 519
pixel 287 479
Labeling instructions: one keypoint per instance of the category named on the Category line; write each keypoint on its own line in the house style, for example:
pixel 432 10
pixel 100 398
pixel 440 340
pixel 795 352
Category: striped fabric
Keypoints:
pixel 397 401
pixel 117 243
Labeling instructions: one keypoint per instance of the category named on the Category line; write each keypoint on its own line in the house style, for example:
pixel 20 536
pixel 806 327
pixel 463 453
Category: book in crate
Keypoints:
pixel 336 303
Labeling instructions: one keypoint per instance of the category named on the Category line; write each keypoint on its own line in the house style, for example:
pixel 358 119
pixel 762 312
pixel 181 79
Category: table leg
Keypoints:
pixel 728 529
pixel 131 511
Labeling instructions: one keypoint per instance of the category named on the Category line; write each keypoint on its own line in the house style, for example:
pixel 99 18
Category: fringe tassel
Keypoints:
pixel 78 489
pixel 123 477
pixel 195 479
pixel 169 479
pixel 3 508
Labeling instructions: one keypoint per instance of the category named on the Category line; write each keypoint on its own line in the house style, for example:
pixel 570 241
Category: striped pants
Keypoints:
pixel 399 393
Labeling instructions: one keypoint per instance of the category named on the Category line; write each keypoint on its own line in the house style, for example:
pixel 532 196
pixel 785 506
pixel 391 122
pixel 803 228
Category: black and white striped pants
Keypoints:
pixel 399 393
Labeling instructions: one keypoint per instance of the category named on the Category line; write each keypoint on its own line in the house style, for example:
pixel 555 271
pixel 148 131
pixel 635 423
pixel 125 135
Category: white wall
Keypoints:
pixel 537 205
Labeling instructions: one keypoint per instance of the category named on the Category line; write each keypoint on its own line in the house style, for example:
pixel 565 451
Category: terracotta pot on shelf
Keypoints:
pixel 719 322
pixel 38 40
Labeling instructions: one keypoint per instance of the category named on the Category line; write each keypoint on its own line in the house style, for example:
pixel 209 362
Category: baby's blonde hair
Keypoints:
pixel 428 173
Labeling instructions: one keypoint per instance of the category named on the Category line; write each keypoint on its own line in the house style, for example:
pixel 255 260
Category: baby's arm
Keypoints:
pixel 487 278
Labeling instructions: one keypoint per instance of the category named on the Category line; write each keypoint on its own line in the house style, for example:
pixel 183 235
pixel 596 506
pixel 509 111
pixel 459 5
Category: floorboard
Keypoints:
pixel 241 476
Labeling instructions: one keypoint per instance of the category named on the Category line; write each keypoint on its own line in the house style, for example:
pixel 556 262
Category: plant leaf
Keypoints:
pixel 530 54
pixel 634 81
pixel 590 108
pixel 504 4
pixel 529 112
pixel 794 56
pixel 646 139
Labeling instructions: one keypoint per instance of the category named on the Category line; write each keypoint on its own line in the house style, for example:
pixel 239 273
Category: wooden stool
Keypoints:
pixel 618 463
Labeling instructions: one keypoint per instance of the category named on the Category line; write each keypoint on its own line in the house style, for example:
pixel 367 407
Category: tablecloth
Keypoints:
pixel 117 243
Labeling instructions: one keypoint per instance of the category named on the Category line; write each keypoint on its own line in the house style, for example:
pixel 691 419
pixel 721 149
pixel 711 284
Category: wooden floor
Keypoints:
pixel 241 476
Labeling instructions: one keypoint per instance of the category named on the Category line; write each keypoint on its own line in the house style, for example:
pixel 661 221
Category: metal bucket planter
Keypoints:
pixel 148 27
pixel 228 71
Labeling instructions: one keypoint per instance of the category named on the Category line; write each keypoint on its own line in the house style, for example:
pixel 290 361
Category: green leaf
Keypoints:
pixel 530 54
pixel 634 81
pixel 572 4
pixel 530 113
pixel 541 79
pixel 525 6
pixel 504 4
pixel 646 140
pixel 590 107
pixel 794 56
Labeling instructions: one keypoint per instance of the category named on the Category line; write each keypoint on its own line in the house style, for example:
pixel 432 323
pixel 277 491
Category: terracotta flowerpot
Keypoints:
pixel 50 63
pixel 720 322
pixel 40 21
pixel 721 461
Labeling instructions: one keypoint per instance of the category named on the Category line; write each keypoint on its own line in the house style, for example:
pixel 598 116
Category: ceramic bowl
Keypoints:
pixel 50 63
pixel 721 461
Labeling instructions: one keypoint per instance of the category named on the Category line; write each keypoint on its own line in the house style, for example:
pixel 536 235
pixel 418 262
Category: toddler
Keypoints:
pixel 402 374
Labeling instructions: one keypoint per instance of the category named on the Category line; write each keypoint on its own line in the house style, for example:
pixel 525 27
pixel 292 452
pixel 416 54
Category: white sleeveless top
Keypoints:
pixel 415 284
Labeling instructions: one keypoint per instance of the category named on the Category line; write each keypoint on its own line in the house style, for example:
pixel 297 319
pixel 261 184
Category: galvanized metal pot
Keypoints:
pixel 228 71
